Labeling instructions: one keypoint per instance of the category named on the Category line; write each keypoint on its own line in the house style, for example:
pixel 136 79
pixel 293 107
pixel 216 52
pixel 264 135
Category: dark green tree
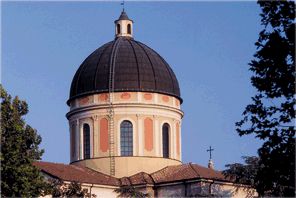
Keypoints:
pixel 58 188
pixel 130 191
pixel 19 148
pixel 271 117
pixel 244 173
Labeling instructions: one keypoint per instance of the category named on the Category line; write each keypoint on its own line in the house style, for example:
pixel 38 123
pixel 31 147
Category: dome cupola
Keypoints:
pixel 123 26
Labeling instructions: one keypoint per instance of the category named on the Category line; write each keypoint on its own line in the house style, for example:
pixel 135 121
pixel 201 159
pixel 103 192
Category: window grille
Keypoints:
pixel 165 140
pixel 86 137
pixel 126 138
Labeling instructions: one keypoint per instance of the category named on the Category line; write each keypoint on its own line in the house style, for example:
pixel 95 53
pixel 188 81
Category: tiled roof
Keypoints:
pixel 173 173
pixel 125 181
pixel 168 174
pixel 207 172
pixel 185 171
pixel 77 173
pixel 141 178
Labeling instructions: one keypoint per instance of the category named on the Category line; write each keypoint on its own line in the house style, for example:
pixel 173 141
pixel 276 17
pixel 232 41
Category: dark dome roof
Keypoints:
pixel 137 68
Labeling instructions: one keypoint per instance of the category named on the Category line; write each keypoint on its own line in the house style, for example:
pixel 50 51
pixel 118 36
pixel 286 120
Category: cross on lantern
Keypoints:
pixel 210 152
pixel 122 4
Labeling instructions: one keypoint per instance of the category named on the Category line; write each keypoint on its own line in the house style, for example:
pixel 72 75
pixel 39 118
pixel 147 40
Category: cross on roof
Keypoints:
pixel 210 152
pixel 123 4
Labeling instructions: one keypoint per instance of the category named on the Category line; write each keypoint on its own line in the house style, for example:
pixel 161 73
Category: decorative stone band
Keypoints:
pixel 123 105
pixel 126 97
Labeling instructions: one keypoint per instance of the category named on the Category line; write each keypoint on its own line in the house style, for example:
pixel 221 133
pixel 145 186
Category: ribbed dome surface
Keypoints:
pixel 137 68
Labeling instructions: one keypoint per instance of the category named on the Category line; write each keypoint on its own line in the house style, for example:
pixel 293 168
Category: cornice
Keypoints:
pixel 125 105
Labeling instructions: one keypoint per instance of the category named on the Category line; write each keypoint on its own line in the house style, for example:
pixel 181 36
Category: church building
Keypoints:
pixel 125 126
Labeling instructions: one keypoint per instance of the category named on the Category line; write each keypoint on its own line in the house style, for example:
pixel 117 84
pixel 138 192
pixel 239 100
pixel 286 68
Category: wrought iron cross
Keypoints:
pixel 122 4
pixel 210 152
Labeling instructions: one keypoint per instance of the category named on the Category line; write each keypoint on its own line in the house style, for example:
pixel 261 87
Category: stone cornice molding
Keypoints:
pixel 126 105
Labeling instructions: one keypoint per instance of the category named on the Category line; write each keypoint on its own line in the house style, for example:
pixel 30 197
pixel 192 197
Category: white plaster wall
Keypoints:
pixel 103 192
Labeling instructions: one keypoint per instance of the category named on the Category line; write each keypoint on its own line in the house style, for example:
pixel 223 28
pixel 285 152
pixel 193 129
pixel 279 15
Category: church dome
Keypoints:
pixel 136 68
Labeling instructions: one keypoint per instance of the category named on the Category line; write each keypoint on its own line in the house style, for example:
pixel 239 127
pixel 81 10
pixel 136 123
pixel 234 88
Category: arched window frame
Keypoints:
pixel 81 138
pixel 86 141
pixel 171 138
pixel 135 135
pixel 168 140
pixel 126 138
pixel 118 28
pixel 129 28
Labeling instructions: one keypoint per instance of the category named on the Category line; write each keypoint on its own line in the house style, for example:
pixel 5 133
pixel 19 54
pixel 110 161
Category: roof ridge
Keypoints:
pixel 149 61
pixel 162 169
pixel 52 175
pixel 97 65
pixel 207 168
pixel 151 178
pixel 128 179
pixel 190 164
pixel 51 162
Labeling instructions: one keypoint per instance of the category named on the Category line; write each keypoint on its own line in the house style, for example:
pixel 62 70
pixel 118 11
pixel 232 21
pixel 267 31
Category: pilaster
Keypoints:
pixel 139 96
pixel 155 98
pixel 72 135
pixel 174 101
pixel 95 138
pixel 156 130
pixel 174 132
pixel 78 142
pixel 180 141
pixel 140 133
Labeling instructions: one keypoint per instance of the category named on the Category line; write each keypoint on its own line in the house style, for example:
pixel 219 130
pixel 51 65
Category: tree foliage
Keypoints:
pixel 244 173
pixel 19 148
pixel 130 191
pixel 272 114
pixel 58 188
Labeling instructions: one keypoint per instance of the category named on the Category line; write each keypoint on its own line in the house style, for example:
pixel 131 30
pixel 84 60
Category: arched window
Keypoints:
pixel 126 138
pixel 165 140
pixel 86 138
pixel 118 28
pixel 129 29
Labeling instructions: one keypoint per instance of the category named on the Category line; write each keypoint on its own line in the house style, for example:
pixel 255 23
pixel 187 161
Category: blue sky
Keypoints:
pixel 207 44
